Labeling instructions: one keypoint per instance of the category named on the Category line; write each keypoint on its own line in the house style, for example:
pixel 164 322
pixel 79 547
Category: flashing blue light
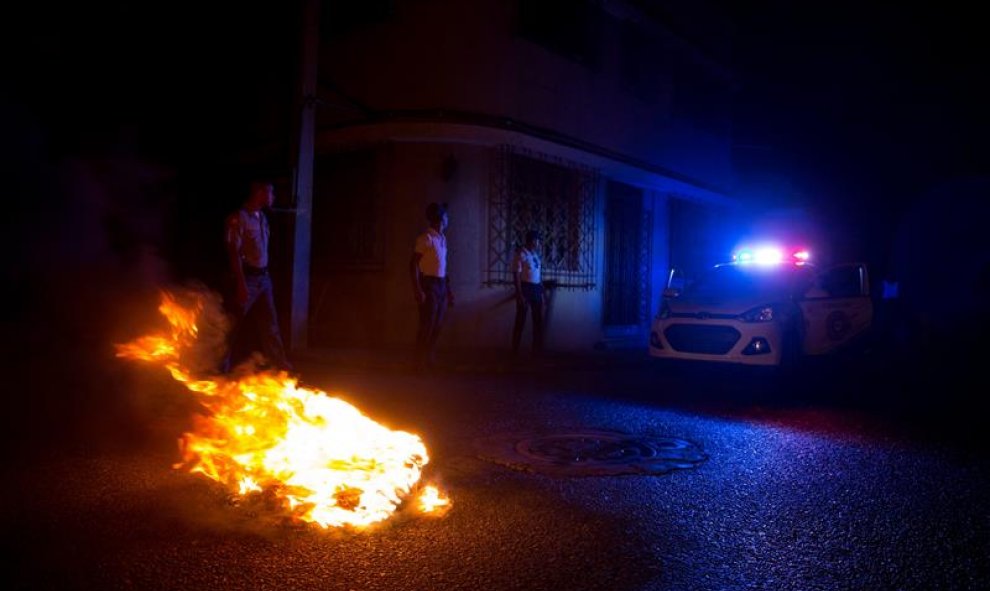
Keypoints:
pixel 770 255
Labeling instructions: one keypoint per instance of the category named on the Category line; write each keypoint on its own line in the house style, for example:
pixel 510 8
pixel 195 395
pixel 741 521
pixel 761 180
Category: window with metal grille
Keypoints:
pixel 552 196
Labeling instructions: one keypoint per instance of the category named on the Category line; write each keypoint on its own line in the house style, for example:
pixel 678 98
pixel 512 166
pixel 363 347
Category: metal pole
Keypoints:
pixel 303 182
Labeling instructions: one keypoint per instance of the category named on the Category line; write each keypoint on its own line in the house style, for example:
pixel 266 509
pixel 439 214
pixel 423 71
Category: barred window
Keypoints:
pixel 553 196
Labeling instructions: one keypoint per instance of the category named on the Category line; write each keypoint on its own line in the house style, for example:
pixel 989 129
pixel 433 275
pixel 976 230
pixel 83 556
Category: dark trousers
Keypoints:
pixel 257 313
pixel 431 313
pixel 532 298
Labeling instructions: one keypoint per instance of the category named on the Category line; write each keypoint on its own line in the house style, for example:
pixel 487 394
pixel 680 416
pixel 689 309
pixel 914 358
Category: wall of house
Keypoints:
pixel 375 307
pixel 411 59
pixel 437 100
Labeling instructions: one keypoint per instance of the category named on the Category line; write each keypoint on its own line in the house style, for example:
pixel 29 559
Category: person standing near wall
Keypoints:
pixel 431 283
pixel 526 266
pixel 247 238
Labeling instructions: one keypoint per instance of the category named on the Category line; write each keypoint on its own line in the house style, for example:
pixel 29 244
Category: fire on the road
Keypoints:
pixel 325 461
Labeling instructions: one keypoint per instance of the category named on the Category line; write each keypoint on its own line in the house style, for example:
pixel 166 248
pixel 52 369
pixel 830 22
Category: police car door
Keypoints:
pixel 837 308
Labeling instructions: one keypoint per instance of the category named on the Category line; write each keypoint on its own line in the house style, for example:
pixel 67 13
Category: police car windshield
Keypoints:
pixel 745 281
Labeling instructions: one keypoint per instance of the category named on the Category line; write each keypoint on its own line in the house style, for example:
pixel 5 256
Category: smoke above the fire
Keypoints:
pixel 202 356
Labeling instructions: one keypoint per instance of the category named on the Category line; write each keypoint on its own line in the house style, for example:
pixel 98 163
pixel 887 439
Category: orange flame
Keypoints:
pixel 327 462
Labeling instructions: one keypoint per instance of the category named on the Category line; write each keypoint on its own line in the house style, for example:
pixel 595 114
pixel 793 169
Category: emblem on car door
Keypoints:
pixel 837 325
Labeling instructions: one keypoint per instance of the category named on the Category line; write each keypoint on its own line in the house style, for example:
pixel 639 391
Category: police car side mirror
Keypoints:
pixel 671 292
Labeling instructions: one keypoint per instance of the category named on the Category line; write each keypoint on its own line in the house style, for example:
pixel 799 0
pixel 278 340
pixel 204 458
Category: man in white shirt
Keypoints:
pixel 247 237
pixel 526 266
pixel 431 283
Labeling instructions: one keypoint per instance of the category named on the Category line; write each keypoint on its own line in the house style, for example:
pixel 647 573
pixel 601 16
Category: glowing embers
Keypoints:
pixel 590 453
pixel 318 456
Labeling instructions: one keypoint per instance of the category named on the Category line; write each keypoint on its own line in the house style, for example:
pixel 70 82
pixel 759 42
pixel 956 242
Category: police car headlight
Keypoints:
pixel 758 314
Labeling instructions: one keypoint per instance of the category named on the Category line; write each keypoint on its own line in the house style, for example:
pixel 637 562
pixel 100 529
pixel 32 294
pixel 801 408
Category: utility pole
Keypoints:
pixel 303 182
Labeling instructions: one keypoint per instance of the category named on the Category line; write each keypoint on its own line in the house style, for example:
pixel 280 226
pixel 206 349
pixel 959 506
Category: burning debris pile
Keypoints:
pixel 319 456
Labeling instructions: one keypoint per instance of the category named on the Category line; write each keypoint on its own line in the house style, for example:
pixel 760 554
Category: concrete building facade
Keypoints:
pixel 603 124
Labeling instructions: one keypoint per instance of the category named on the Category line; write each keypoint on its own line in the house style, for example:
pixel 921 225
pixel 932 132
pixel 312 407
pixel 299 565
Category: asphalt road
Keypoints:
pixel 826 481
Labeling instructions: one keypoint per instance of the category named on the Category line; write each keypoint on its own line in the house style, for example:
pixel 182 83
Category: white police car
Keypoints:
pixel 763 308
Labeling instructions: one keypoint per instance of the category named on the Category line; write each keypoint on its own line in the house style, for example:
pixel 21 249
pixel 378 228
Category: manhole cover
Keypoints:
pixel 590 453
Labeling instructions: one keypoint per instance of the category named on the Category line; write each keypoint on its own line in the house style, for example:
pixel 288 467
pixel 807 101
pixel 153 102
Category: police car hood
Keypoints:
pixel 685 304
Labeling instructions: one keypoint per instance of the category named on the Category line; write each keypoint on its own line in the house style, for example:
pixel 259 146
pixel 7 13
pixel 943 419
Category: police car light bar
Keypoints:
pixel 769 255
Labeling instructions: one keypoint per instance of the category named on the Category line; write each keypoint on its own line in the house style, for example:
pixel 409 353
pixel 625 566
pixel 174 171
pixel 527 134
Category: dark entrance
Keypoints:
pixel 628 229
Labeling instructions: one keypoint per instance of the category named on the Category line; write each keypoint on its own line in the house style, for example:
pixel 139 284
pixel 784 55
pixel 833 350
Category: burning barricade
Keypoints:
pixel 262 433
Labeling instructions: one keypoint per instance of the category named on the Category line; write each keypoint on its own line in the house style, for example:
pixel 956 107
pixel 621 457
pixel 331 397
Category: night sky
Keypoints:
pixel 867 107
pixel 118 116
